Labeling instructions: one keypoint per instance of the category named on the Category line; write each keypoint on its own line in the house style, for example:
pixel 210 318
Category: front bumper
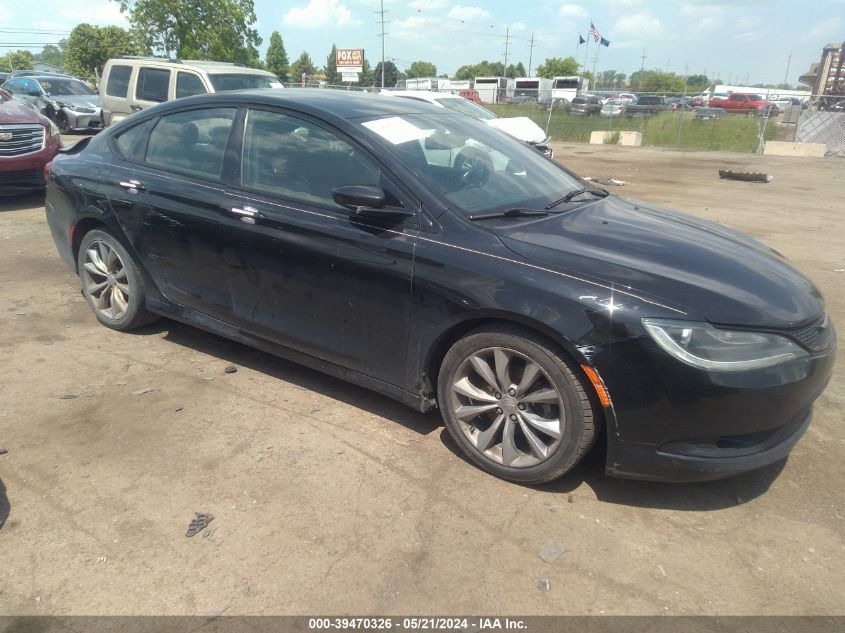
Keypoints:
pixel 672 422
pixel 84 121
pixel 26 172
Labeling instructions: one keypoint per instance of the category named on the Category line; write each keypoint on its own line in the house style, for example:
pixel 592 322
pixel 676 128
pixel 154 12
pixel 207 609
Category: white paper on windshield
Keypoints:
pixel 276 84
pixel 397 130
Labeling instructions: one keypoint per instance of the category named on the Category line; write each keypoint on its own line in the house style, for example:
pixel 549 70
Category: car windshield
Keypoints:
pixel 242 81
pixel 467 107
pixel 474 167
pixel 74 87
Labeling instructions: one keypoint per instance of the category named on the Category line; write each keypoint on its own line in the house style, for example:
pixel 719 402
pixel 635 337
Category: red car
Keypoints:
pixel 28 141
pixel 745 103
pixel 469 93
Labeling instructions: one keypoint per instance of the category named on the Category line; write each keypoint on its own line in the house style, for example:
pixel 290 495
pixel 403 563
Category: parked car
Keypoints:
pixel 34 73
pixel 586 105
pixel 66 101
pixel 614 107
pixel 520 127
pixel 741 103
pixel 130 84
pixel 470 95
pixel 3 78
pixel 647 105
pixel 699 101
pixel 424 255
pixel 28 141
pixel 708 114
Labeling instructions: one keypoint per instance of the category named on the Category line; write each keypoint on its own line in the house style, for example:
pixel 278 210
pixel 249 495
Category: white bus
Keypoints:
pixel 536 87
pixel 567 87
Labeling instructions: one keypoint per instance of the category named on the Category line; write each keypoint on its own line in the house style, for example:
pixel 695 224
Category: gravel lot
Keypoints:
pixel 331 499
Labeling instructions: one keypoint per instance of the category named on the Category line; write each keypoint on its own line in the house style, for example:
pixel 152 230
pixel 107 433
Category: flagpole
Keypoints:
pixel 586 54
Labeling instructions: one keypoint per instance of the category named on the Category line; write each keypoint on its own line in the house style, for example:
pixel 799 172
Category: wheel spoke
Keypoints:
pixel 467 411
pixel 549 427
pixel 103 302
pixel 97 287
pixel 96 263
pixel 532 370
pixel 120 273
pixel 105 255
pixel 483 368
pixel 486 438
pixel 539 449
pixel 112 260
pixel 502 360
pixel 118 303
pixel 124 288
pixel 542 396
pixel 466 388
pixel 509 451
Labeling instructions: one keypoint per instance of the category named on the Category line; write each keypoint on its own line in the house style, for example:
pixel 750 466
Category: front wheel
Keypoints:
pixel 63 123
pixel 112 283
pixel 514 405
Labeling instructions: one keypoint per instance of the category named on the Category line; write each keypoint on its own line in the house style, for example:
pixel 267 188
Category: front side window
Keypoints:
pixel 300 160
pixel 474 167
pixel 193 141
pixel 188 84
pixel 118 83
pixel 152 84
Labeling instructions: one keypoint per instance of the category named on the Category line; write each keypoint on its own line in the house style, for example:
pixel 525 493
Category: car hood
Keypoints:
pixel 80 101
pixel 15 111
pixel 520 127
pixel 704 268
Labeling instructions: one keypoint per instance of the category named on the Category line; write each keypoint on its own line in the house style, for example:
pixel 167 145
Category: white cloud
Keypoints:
pixel 413 28
pixel 826 29
pixel 637 25
pixel 468 14
pixel 95 12
pixel 320 13
pixel 573 11
pixel 428 4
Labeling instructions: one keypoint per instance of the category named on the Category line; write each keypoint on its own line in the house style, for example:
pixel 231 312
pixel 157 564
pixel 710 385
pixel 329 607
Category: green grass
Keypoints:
pixel 733 133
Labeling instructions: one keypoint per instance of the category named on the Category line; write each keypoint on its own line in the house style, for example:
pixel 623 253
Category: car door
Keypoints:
pixel 167 195
pixel 304 271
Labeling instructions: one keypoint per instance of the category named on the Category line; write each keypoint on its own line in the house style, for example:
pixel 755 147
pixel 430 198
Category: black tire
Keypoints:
pixel 63 123
pixel 578 417
pixel 135 314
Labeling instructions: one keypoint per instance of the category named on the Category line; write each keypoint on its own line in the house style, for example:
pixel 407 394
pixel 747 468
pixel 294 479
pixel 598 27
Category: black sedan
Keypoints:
pixel 426 256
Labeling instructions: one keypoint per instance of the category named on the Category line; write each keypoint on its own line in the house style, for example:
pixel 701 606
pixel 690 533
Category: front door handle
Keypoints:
pixel 246 214
pixel 132 185
pixel 135 108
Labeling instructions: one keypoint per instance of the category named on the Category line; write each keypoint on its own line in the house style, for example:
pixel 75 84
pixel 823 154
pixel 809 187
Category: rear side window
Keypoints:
pixel 152 84
pixel 118 83
pixel 188 84
pixel 132 142
pixel 193 141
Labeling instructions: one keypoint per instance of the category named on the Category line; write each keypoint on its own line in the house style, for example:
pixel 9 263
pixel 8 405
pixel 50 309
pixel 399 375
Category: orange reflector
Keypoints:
pixel 598 385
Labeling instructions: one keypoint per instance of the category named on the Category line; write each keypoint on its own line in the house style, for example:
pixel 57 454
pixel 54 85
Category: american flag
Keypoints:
pixel 594 32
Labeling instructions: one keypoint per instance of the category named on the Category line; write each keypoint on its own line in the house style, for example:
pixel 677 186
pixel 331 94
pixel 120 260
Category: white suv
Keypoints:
pixel 130 84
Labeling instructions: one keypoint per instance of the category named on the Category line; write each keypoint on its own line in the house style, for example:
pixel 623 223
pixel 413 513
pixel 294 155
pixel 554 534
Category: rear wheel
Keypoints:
pixel 514 405
pixel 112 283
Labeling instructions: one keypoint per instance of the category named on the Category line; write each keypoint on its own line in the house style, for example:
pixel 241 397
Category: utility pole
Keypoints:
pixel 786 76
pixel 507 42
pixel 642 67
pixel 382 22
pixel 530 54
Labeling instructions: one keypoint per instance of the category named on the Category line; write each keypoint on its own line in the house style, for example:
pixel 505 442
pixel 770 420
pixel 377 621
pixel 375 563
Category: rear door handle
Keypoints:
pixel 135 108
pixel 132 185
pixel 246 214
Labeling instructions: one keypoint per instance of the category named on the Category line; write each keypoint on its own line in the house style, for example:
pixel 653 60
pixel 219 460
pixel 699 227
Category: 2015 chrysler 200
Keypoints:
pixel 433 259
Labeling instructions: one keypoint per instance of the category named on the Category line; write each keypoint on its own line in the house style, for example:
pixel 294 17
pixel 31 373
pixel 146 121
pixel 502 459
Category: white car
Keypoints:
pixel 614 107
pixel 520 127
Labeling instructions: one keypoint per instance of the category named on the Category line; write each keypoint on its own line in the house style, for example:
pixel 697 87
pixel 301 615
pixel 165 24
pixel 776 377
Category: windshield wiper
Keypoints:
pixel 599 193
pixel 510 213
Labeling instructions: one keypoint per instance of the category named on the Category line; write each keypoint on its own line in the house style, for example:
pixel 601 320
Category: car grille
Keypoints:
pixel 33 177
pixel 815 337
pixel 16 140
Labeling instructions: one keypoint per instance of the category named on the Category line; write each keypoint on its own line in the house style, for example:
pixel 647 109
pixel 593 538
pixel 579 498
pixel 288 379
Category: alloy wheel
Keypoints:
pixel 508 407
pixel 105 281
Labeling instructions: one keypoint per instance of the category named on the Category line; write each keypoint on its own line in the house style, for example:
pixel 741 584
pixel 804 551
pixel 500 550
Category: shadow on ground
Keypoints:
pixel 300 375
pixel 28 200
pixel 5 507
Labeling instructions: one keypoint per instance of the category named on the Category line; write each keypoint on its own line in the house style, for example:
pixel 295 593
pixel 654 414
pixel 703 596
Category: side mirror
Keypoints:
pixel 367 201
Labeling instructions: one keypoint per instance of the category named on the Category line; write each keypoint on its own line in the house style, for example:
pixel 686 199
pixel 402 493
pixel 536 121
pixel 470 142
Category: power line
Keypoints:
pixel 531 54
pixel 382 22
pixel 507 43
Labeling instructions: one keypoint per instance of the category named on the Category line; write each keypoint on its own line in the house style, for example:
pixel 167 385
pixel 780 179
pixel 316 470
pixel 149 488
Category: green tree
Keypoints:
pixel 51 54
pixel 16 60
pixel 197 29
pixel 391 74
pixel 421 69
pixel 330 69
pixel 366 78
pixel 89 47
pixel 514 71
pixel 657 81
pixel 558 67
pixel 276 60
pixel 303 65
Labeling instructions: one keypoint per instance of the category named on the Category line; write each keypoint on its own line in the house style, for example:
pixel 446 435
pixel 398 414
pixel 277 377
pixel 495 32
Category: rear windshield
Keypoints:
pixel 237 81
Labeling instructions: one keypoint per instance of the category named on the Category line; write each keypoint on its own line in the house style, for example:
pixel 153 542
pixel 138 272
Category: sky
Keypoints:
pixel 735 40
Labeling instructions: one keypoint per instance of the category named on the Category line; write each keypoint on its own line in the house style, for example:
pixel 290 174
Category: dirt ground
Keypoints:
pixel 331 499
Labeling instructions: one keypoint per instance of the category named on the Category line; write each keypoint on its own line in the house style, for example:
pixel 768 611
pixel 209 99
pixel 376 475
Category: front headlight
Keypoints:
pixel 705 347
pixel 54 129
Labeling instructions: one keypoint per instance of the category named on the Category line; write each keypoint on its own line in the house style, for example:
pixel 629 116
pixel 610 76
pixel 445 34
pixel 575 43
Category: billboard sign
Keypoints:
pixel 351 77
pixel 350 60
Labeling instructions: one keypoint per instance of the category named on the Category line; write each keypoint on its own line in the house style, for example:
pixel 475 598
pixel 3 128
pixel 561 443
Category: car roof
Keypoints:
pixel 208 66
pixel 322 102
pixel 422 94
